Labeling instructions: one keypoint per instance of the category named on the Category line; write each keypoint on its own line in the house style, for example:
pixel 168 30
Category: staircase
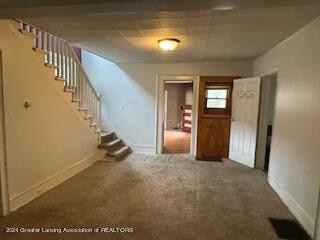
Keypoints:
pixel 116 149
pixel 59 55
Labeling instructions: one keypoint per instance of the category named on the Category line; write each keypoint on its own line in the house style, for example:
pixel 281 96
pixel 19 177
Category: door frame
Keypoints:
pixel 159 118
pixel 262 123
pixel 4 192
pixel 266 74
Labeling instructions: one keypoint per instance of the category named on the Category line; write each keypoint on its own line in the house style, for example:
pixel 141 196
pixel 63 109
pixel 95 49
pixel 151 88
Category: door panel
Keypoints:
pixel 213 127
pixel 245 102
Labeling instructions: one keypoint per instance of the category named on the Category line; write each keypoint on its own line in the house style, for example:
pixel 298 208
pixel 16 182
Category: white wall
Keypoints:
pixel 133 86
pixel 47 142
pixel 294 170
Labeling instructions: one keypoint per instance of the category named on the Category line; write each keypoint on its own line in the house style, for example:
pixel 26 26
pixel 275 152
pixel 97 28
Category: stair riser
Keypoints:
pixel 114 146
pixel 123 155
pixel 107 138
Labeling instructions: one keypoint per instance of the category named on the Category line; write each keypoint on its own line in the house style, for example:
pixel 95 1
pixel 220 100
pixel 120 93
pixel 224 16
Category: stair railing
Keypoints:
pixel 68 68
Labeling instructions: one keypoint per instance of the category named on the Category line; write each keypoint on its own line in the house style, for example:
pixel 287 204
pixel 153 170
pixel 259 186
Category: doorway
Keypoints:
pixel 265 120
pixel 189 114
pixel 178 116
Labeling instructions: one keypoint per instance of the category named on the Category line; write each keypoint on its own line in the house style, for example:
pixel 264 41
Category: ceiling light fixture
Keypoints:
pixel 168 44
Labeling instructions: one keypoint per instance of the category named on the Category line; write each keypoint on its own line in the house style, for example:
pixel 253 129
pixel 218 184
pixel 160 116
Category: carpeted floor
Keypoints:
pixel 167 197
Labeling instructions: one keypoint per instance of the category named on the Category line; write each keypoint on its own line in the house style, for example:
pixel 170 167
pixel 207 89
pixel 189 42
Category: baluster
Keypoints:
pixel 100 123
pixel 76 80
pixel 64 62
pixel 87 95
pixel 59 58
pixel 21 26
pixel 45 45
pixel 88 98
pixel 40 42
pixel 67 65
pixel 80 88
pixel 98 113
pixel 75 87
pixel 95 107
pixel 71 70
pixel 54 50
pixel 49 49
pixel 92 105
pixel 84 95
pixel 35 37
pixel 79 84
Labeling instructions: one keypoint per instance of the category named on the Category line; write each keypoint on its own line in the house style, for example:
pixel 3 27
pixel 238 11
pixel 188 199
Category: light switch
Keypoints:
pixel 121 108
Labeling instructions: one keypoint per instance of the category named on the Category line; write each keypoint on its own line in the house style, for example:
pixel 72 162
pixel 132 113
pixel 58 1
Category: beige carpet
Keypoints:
pixel 167 197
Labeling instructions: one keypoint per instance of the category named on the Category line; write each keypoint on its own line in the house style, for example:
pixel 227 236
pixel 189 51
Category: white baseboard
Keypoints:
pixel 28 195
pixel 143 149
pixel 306 221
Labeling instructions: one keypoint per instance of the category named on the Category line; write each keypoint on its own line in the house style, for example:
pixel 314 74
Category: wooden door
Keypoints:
pixel 214 117
pixel 244 120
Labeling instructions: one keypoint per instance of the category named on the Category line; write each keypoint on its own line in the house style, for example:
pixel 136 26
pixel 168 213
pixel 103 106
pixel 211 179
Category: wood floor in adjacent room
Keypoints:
pixel 165 197
pixel 176 142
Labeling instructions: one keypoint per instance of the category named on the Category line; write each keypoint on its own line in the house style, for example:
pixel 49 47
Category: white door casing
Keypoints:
pixel 159 130
pixel 244 125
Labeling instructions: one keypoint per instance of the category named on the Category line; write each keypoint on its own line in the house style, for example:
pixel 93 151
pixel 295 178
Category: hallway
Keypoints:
pixel 165 197
pixel 176 141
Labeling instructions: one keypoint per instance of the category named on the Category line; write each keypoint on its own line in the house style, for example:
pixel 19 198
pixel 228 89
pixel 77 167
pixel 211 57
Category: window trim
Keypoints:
pixel 208 98
pixel 223 112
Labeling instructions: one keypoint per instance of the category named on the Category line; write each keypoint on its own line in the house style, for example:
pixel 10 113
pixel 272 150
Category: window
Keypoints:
pixel 216 98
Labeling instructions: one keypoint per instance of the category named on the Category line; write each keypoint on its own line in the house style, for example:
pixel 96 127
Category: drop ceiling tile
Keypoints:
pixel 173 22
pixel 209 34
pixel 198 30
pixel 130 33
pixel 198 21
pixel 157 32
pixel 175 31
pixel 221 28
pixel 148 23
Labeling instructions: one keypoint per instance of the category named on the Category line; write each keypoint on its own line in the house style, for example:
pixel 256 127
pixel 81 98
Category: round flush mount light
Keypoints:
pixel 168 44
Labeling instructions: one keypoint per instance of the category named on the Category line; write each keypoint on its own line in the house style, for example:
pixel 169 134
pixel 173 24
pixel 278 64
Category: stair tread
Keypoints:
pixel 103 134
pixel 25 31
pixel 50 65
pixel 40 50
pixel 68 90
pixel 60 79
pixel 111 143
